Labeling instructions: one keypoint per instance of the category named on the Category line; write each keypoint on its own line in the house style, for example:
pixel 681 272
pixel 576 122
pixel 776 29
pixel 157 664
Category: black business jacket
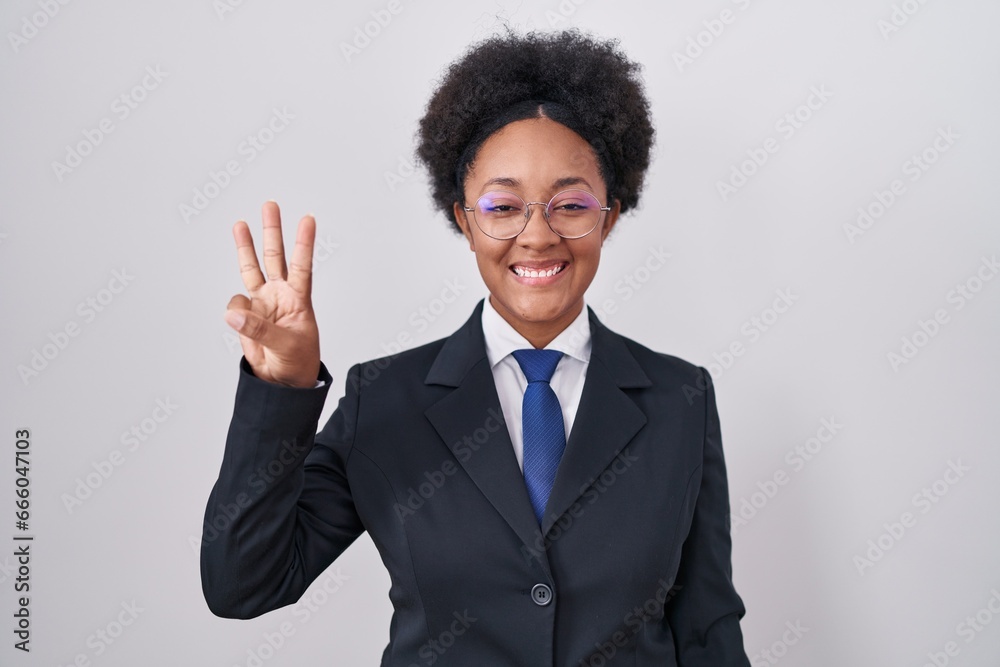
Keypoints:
pixel 630 567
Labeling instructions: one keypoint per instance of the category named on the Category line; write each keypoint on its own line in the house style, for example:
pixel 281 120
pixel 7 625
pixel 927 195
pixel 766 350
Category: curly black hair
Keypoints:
pixel 584 83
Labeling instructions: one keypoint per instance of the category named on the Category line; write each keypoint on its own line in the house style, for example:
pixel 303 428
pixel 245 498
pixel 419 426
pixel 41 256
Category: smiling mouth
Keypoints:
pixel 526 272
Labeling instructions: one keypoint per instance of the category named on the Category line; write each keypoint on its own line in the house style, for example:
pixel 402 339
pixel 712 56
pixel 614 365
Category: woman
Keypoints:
pixel 507 542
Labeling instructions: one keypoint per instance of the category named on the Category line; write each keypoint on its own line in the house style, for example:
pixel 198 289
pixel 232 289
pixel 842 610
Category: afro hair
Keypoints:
pixel 586 84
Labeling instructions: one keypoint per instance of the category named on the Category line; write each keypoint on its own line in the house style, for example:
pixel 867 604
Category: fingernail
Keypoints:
pixel 235 319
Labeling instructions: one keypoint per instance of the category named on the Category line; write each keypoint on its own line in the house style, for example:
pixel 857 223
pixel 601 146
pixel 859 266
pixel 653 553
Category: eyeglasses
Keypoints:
pixel 571 214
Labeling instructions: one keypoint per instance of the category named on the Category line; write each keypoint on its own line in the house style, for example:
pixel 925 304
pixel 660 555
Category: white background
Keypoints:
pixel 63 234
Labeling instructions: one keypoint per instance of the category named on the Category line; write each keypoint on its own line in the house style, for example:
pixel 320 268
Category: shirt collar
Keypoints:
pixel 502 339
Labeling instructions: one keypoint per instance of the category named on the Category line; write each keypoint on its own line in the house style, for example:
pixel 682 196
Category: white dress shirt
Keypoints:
pixel 567 380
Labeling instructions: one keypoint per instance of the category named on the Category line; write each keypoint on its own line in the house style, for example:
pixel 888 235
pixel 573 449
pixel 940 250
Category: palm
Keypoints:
pixel 280 337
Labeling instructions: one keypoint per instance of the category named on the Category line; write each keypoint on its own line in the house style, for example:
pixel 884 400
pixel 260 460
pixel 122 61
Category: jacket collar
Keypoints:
pixel 467 347
pixel 468 420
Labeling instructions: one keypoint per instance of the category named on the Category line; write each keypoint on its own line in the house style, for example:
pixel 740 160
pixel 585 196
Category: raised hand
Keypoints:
pixel 276 323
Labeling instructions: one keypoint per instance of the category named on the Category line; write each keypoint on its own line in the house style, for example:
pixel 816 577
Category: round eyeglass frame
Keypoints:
pixel 545 213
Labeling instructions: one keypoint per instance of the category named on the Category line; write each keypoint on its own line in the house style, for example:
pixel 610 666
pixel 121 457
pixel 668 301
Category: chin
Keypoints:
pixel 541 309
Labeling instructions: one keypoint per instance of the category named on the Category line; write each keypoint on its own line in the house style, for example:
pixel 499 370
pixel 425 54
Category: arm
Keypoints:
pixel 706 611
pixel 281 510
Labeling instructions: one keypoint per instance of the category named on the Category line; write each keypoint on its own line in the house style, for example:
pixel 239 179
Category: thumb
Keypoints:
pixel 235 318
pixel 255 327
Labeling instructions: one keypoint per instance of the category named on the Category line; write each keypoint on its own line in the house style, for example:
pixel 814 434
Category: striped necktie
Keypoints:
pixel 542 425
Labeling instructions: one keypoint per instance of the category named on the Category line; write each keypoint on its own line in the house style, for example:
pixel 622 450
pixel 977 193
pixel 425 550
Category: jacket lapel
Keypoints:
pixel 471 413
pixel 606 421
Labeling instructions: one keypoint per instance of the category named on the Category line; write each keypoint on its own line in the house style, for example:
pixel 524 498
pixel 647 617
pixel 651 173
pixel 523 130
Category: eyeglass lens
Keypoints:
pixel 571 213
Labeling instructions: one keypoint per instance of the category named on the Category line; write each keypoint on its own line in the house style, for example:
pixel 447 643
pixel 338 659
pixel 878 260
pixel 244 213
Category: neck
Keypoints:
pixel 539 334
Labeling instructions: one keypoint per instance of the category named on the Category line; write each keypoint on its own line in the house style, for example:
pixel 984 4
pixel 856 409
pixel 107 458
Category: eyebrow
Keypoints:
pixel 556 184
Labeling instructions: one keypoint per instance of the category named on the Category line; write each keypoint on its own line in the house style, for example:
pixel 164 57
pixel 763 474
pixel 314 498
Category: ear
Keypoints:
pixel 462 218
pixel 610 219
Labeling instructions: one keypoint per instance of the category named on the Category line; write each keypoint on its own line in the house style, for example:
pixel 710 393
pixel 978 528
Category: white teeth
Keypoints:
pixel 532 273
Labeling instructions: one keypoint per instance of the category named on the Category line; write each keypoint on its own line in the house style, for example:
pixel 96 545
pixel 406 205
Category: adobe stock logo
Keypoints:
pixel 787 125
pixel 779 648
pixel 363 35
pixel 104 637
pixel 928 329
pixel 900 16
pixel 121 107
pixel 248 150
pixel 797 458
pixel 968 629
pixel 713 28
pixel 42 357
pixel 914 168
pixel 753 329
pixel 566 9
pixel 31 25
pixel 131 440
pixel 924 500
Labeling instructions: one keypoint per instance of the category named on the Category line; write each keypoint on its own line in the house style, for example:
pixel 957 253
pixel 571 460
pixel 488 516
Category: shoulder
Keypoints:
pixel 657 365
pixel 666 376
pixel 663 362
pixel 412 364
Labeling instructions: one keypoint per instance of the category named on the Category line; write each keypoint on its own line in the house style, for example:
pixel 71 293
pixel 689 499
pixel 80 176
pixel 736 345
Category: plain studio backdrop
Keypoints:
pixel 818 227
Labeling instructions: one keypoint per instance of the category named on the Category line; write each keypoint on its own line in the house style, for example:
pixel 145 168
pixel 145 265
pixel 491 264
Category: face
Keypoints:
pixel 536 158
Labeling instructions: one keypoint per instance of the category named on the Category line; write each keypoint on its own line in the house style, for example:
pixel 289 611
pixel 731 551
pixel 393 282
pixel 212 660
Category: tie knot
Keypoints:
pixel 538 365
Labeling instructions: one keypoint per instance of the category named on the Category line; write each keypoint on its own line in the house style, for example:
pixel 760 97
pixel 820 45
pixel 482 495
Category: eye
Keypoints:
pixel 575 202
pixel 499 205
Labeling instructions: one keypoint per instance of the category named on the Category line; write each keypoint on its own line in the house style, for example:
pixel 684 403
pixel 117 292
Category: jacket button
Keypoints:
pixel 541 594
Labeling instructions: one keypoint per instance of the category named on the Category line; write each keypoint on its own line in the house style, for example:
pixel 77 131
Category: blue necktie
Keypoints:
pixel 541 424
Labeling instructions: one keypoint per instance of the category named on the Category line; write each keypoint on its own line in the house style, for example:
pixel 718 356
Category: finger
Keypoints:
pixel 300 266
pixel 247 255
pixel 257 329
pixel 235 317
pixel 274 247
pixel 238 302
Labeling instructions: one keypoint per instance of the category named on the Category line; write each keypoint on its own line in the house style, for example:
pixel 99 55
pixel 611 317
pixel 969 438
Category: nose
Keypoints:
pixel 537 232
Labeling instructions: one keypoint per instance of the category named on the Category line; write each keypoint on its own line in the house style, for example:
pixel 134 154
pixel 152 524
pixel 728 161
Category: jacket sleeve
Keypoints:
pixel 281 509
pixel 706 610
